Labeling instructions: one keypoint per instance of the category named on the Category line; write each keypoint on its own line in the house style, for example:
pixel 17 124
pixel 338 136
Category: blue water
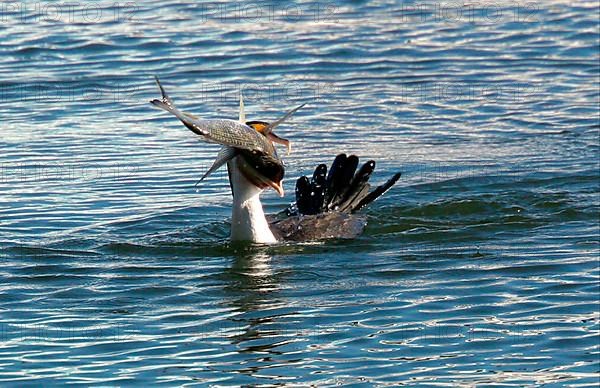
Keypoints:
pixel 479 268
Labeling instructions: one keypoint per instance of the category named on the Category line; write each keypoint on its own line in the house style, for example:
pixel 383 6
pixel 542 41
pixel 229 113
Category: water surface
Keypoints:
pixel 479 267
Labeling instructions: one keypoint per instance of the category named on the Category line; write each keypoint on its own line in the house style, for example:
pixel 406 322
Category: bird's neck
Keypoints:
pixel 248 222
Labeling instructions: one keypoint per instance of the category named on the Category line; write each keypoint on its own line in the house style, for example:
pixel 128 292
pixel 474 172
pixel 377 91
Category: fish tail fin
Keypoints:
pixel 167 104
pixel 162 105
pixel 343 189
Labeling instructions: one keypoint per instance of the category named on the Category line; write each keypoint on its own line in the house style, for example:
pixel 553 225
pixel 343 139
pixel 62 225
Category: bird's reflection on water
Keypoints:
pixel 254 290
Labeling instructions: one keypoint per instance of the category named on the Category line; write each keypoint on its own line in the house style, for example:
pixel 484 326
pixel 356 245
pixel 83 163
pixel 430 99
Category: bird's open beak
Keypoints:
pixel 257 179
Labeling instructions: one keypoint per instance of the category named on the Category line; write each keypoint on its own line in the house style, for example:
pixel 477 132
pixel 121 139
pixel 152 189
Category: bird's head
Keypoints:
pixel 262 170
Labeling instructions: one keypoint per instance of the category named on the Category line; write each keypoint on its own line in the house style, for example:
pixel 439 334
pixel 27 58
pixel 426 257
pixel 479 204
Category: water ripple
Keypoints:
pixel 479 268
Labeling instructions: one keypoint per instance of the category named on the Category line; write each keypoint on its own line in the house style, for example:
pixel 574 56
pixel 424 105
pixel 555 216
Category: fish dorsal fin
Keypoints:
pixel 275 123
pixel 225 154
pixel 242 116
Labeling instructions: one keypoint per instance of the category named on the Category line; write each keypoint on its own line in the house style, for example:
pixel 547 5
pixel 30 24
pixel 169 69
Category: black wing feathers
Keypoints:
pixel 333 180
pixel 303 195
pixel 359 187
pixel 310 195
pixel 318 186
pixel 344 178
pixel 343 189
pixel 378 192
pixel 350 204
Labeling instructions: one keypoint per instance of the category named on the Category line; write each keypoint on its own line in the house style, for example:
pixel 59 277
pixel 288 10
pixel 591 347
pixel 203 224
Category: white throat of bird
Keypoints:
pixel 248 222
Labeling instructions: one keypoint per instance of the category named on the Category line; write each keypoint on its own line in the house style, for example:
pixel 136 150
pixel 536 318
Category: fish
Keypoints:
pixel 254 140
pixel 227 153
pixel 226 132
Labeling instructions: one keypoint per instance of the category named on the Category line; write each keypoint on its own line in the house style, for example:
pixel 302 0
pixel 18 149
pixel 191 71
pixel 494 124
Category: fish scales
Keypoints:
pixel 237 135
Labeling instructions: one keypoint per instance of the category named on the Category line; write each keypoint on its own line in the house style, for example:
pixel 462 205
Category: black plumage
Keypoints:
pixel 344 189
pixel 326 204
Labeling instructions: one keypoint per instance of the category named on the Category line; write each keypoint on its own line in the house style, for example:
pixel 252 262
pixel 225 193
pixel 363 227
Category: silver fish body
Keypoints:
pixel 226 132
pixel 233 134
